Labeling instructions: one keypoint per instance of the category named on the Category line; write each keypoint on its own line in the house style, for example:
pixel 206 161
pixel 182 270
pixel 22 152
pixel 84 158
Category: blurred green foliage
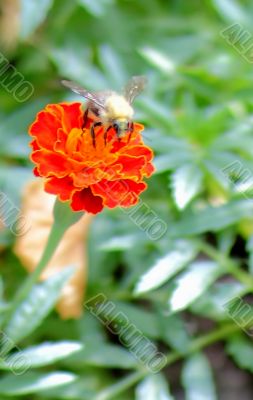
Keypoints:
pixel 197 110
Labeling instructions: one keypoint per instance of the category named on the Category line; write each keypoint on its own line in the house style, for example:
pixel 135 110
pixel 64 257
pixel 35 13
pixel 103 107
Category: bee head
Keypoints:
pixel 121 127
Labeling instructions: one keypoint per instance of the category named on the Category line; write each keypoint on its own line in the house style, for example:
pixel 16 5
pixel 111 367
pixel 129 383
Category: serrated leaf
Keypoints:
pixel 112 65
pixel 241 350
pixel 33 13
pixel 231 10
pixel 174 332
pixel 118 243
pixel 216 174
pixel 83 388
pixel 159 59
pixel 211 303
pixel 33 382
pixel 186 184
pixel 167 266
pixel 36 306
pixel 170 161
pixel 103 355
pixel 41 355
pixel 96 8
pixel 142 319
pixel 153 387
pixel 192 283
pixel 197 379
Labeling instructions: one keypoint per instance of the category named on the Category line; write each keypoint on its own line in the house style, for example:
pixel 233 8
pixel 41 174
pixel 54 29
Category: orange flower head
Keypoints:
pixel 107 174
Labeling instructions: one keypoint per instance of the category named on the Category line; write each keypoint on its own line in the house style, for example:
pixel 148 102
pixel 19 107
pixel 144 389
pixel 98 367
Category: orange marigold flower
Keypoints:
pixel 108 174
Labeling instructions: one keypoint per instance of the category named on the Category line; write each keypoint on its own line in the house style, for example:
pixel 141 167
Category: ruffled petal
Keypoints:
pixel 131 167
pixel 122 192
pixel 44 129
pixel 72 116
pixel 49 163
pixel 34 145
pixel 85 200
pixel 63 187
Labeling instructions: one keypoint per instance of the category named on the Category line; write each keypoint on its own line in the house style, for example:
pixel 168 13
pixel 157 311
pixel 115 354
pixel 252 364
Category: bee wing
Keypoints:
pixel 133 87
pixel 93 97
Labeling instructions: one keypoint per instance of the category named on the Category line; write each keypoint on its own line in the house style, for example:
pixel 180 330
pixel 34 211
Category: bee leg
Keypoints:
pixel 85 118
pixel 92 131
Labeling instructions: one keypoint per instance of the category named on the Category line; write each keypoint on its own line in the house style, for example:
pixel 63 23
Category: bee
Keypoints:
pixel 111 109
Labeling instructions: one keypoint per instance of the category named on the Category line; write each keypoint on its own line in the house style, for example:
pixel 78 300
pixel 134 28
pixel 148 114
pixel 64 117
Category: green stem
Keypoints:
pixel 121 386
pixel 63 219
pixel 54 239
pixel 230 265
pixel 197 344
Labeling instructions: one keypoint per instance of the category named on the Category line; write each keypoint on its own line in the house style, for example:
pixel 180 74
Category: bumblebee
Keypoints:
pixel 111 109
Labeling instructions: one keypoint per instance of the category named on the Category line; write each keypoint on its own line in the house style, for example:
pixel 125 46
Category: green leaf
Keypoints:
pixel 33 382
pixel 249 248
pixel 144 320
pixel 241 312
pixel 226 240
pixel 211 304
pixel 12 180
pixel 174 332
pixel 166 57
pixel 241 350
pixel 170 161
pixel 15 126
pixel 96 8
pixel 197 379
pixel 73 63
pixel 103 355
pixel 167 266
pixel 192 283
pixel 212 218
pixel 33 13
pixel 83 388
pixel 41 355
pixel 159 59
pixel 112 65
pixel 215 173
pixel 231 11
pixel 119 243
pixel 153 387
pixel 186 184
pixel 156 112
pixel 40 301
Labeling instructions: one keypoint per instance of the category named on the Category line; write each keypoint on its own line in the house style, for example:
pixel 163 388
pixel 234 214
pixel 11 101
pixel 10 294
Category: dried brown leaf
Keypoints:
pixel 37 207
pixel 9 23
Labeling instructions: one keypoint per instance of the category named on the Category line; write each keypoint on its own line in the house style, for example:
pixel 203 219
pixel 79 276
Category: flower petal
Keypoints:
pixel 63 187
pixel 122 192
pixel 45 129
pixel 131 167
pixel 49 163
pixel 72 116
pixel 85 200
